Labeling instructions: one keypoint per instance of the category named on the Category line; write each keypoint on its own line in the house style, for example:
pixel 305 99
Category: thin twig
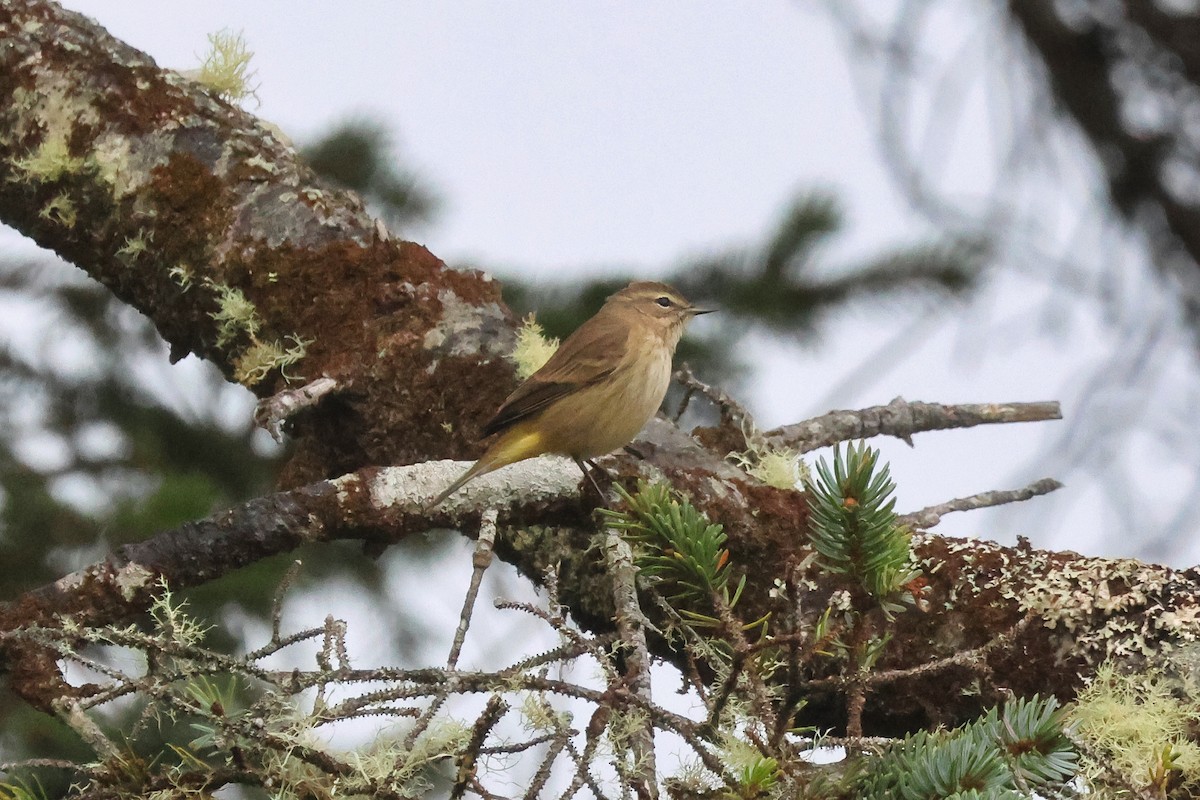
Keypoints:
pixel 41 763
pixel 274 410
pixel 966 658
pixel 733 414
pixel 482 559
pixel 902 419
pixel 492 712
pixel 557 745
pixel 594 735
pixel 928 517
pixel 280 593
pixel 631 625
pixel 516 747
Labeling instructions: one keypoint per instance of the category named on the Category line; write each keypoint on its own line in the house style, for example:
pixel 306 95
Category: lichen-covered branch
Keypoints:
pixel 203 218
pixel 1085 610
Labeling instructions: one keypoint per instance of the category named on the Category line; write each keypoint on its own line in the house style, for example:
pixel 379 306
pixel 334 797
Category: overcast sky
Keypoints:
pixel 569 138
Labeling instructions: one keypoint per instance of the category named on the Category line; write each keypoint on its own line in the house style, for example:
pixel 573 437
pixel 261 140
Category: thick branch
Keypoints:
pixel 1087 609
pixel 203 219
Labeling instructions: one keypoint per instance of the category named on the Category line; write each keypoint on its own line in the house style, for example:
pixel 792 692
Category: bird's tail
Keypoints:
pixel 512 446
pixel 478 468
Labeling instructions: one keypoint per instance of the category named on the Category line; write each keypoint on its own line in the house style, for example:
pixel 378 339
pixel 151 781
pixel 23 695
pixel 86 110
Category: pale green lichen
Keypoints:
pixel 171 619
pixel 116 165
pixel 1138 726
pixel 781 468
pixel 225 69
pixel 61 210
pixel 406 767
pixel 51 159
pixel 235 313
pixel 538 716
pixel 182 275
pixel 131 579
pixel 134 246
pixel 1120 609
pixel 260 358
pixel 533 348
pixel 259 162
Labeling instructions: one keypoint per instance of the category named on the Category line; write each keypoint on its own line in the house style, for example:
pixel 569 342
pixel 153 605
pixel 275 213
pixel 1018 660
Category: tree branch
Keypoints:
pixel 1087 610
pixel 902 419
pixel 928 517
pixel 204 219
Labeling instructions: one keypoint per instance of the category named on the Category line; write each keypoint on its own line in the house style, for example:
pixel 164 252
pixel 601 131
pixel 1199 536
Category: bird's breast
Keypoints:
pixel 607 415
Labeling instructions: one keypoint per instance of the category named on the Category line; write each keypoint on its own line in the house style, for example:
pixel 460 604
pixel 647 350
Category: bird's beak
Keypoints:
pixel 695 312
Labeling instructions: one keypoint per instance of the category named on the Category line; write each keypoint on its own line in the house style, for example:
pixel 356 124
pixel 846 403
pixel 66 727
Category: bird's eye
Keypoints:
pixel 664 301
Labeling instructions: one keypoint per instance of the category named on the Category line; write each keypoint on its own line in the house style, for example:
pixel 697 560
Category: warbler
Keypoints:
pixel 597 390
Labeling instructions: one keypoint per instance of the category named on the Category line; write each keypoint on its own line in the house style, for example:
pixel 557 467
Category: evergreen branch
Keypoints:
pixel 680 551
pixel 1000 755
pixel 852 524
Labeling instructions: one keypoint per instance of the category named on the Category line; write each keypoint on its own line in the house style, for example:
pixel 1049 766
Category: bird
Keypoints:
pixel 601 386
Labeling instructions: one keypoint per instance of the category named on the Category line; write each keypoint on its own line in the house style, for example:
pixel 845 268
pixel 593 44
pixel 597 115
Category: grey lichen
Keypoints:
pixel 467 329
pixel 131 579
pixel 1120 609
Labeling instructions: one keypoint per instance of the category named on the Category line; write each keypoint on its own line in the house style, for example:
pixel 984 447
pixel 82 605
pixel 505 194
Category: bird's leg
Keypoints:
pixel 580 463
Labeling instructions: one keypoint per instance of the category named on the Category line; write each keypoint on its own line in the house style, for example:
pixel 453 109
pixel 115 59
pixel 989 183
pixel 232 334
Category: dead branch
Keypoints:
pixel 902 419
pixel 926 518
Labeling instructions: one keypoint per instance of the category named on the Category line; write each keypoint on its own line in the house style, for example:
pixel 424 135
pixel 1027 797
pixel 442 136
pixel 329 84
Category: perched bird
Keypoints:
pixel 597 390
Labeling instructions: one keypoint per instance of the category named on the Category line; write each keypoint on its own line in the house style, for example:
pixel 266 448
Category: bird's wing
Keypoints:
pixel 588 355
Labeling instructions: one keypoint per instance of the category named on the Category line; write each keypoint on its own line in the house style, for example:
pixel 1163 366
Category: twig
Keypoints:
pixel 277 604
pixel 631 625
pixel 902 419
pixel 966 658
pixel 557 745
pixel 928 517
pixel 440 696
pixel 70 712
pixel 492 712
pixel 482 559
pixel 733 414
pixel 583 773
pixel 41 763
pixel 274 410
pixel 516 747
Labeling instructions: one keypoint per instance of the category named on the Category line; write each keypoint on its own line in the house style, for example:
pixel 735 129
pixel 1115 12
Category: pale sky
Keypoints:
pixel 569 138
